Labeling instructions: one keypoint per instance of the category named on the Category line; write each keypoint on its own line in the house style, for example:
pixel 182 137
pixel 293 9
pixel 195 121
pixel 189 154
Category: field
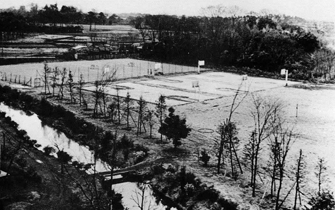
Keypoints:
pixel 181 89
pixel 313 121
pixel 309 110
pixel 92 70
pixel 125 29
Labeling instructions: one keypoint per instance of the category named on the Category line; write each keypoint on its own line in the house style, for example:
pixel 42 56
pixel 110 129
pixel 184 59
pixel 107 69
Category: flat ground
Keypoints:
pixel 206 106
pixel 92 70
pixel 181 90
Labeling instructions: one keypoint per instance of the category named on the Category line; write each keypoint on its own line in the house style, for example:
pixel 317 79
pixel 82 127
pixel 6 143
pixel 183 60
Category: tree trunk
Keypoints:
pixel 279 189
pixel 255 172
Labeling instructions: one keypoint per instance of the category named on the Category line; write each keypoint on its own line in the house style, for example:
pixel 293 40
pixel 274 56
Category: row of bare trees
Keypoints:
pixel 271 138
pixel 119 110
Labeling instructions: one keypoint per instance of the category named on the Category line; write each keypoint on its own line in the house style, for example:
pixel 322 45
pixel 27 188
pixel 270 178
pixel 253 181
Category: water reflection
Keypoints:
pixel 134 193
pixel 47 136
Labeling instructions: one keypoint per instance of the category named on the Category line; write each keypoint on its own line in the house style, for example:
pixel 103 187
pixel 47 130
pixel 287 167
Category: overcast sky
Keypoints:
pixel 308 9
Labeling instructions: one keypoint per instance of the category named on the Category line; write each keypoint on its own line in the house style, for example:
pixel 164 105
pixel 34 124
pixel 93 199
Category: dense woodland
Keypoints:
pixel 256 42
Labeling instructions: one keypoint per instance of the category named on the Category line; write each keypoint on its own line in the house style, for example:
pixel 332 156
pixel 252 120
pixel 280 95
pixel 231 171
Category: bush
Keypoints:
pixel 322 201
pixel 225 204
pixel 21 133
pixel 48 150
pixel 204 157
pixel 32 142
pixel 208 194
pixel 157 170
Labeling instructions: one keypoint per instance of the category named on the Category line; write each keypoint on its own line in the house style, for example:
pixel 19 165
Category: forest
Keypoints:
pixel 264 42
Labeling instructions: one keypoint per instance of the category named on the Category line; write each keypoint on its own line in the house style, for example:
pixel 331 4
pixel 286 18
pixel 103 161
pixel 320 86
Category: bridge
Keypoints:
pixel 134 167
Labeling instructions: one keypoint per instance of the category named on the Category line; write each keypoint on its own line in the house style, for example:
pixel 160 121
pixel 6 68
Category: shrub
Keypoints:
pixel 32 142
pixel 322 201
pixel 21 133
pixel 48 150
pixel 208 194
pixel 204 157
pixel 227 204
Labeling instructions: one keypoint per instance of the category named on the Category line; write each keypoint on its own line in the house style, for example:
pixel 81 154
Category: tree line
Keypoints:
pixel 49 19
pixel 265 42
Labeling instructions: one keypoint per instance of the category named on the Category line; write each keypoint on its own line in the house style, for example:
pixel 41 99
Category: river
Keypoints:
pixel 48 136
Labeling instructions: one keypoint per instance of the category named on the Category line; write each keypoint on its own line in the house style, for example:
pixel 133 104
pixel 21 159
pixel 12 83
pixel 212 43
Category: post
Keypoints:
pixel 88 74
pixel 286 76
pixel 131 73
pixel 162 68
pixel 200 63
pixel 296 111
pixel 97 74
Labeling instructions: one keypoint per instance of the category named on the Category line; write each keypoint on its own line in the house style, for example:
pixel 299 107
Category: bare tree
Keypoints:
pixel 141 112
pixel 100 103
pixel 226 134
pixel 71 87
pixel 118 106
pixel 320 173
pixel 89 185
pixel 128 104
pixel 281 141
pixel 249 154
pixel 45 77
pixel 140 197
pixel 229 142
pixel 80 87
pixel 149 118
pixel 160 110
pixel 54 78
pixel 214 11
pixel 299 178
pixel 63 74
pixel 265 113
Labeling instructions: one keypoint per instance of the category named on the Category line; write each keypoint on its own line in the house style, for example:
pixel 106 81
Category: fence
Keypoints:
pixel 133 69
pixel 17 79
pixel 88 71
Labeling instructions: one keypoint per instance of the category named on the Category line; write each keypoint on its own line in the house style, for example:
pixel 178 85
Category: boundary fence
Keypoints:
pixel 17 79
pixel 89 72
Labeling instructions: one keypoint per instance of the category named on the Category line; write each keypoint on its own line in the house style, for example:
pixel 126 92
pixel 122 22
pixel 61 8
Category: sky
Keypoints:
pixel 308 9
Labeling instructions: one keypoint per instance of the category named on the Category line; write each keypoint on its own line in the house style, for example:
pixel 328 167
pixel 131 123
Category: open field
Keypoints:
pixel 92 70
pixel 111 28
pixel 314 122
pixel 207 106
pixel 179 90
